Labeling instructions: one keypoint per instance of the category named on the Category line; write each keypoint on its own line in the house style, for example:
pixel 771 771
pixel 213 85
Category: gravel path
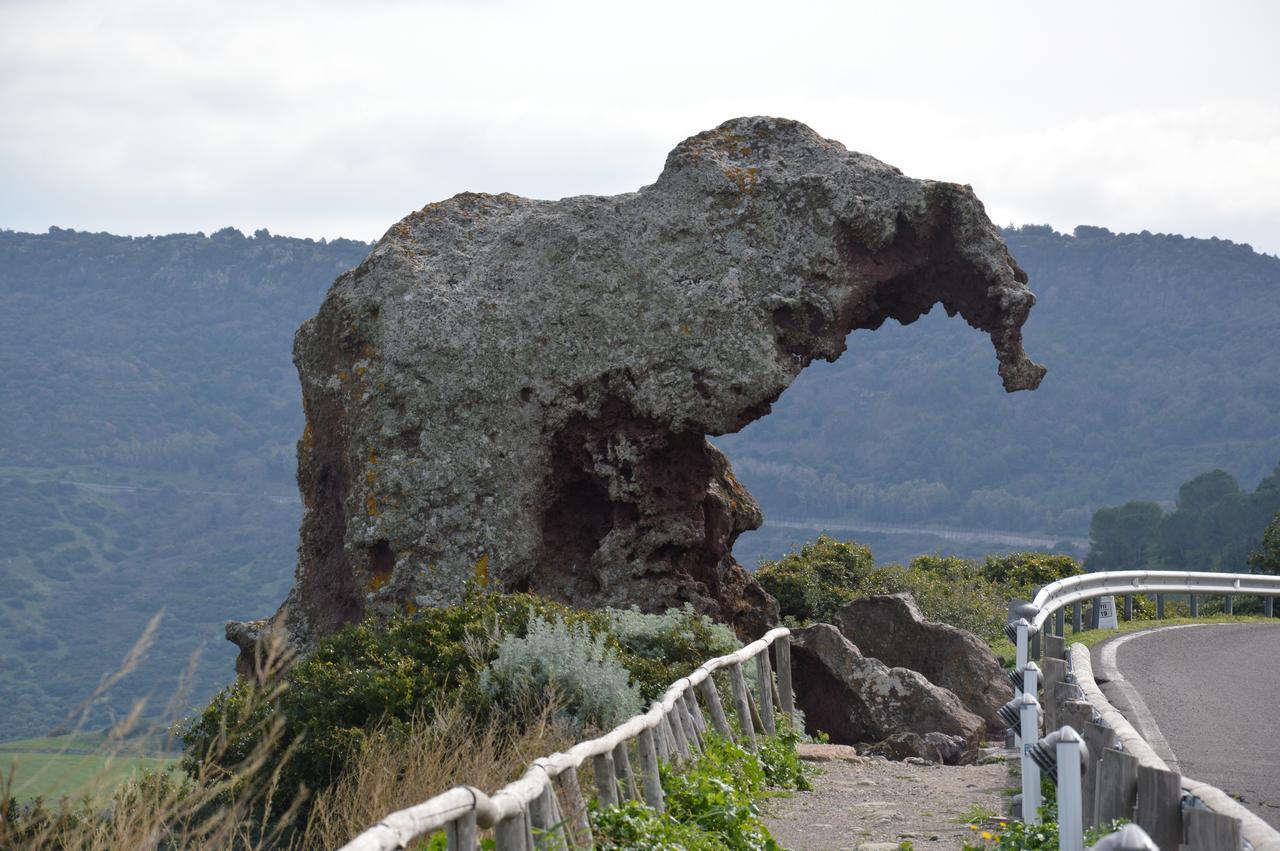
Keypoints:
pixel 858 802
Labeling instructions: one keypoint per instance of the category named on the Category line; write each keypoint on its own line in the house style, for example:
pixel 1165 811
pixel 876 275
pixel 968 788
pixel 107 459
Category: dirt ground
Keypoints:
pixel 872 803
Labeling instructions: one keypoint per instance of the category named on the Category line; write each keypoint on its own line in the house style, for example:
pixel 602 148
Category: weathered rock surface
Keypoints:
pixel 854 698
pixel 889 627
pixel 521 389
pixel 931 747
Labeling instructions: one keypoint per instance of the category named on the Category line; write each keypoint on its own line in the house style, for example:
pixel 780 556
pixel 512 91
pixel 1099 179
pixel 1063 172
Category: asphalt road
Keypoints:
pixel 1208 701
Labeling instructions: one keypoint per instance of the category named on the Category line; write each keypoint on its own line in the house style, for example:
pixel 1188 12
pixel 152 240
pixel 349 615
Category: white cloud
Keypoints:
pixel 334 118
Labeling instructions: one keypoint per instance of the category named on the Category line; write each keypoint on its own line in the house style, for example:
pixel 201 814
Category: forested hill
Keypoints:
pixel 149 408
pixel 165 353
pixel 1164 362
pixel 156 374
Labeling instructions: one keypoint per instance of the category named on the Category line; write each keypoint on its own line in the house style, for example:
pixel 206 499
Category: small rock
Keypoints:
pixel 827 753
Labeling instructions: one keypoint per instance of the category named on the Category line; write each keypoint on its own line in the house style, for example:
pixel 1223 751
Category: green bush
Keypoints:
pixel 711 804
pixel 824 575
pixel 659 649
pixel 1021 574
pixel 370 675
pixel 565 664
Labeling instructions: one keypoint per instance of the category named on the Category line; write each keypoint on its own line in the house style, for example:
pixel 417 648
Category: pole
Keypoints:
pixel 1029 712
pixel 1070 811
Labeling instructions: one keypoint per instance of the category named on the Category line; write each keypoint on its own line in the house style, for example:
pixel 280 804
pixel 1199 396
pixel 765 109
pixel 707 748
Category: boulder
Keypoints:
pixel 889 627
pixel 518 392
pixel 931 747
pixel 854 698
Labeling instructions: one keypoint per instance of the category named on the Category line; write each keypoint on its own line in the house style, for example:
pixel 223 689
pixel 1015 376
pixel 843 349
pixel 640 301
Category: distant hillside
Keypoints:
pixel 1163 362
pixel 161 366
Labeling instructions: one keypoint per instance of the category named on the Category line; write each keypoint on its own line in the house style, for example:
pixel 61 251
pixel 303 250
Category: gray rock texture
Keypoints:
pixel 931 747
pixel 521 390
pixel 853 698
pixel 890 628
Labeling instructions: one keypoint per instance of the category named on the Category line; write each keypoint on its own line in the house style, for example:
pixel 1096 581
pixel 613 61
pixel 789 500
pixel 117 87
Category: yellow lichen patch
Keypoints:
pixel 410 608
pixel 371 505
pixel 482 571
pixel 744 178
pixel 308 438
pixel 343 377
pixel 686 330
pixel 379 579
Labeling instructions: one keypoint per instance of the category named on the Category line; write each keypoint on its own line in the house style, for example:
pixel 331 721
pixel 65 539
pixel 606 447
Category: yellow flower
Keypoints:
pixel 986 834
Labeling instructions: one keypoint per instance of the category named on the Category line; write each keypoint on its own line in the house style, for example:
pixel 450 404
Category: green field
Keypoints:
pixel 76 765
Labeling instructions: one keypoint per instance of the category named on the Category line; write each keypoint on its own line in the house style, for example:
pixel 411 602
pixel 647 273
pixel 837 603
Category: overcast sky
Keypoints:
pixel 335 119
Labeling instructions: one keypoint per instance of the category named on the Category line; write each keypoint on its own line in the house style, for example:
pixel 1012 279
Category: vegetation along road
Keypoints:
pixel 1203 695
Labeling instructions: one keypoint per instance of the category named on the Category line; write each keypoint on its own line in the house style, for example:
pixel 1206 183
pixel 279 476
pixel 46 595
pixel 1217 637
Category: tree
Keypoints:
pixel 1266 558
pixel 1123 537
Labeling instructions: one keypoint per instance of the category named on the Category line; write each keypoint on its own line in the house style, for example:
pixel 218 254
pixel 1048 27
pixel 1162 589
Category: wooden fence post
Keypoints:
pixel 1159 810
pixel 742 701
pixel 461 832
pixel 695 712
pixel 606 781
pixel 1117 788
pixel 716 708
pixel 512 833
pixel 786 693
pixel 764 678
pixel 622 769
pixel 649 770
pixel 676 730
pixel 578 822
pixel 682 717
pixel 1209 831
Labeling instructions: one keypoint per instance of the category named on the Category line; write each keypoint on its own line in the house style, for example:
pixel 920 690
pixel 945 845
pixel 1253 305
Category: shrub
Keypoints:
pixel 370 675
pixel 1022 573
pixel 659 649
pixel 565 663
pixel 824 575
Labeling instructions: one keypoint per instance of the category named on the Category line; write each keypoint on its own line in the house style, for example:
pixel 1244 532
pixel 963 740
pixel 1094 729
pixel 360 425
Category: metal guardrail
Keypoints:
pixel 528 813
pixel 1102 723
pixel 1058 595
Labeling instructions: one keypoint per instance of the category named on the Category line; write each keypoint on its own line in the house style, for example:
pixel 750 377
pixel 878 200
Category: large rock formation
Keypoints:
pixel 854 698
pixel 891 628
pixel 520 389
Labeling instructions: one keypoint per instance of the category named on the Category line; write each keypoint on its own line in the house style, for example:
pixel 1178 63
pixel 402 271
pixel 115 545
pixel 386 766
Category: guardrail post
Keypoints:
pixel 1095 612
pixel 1097 738
pixel 764 678
pixel 1070 813
pixel 1055 647
pixel 1195 606
pixel 716 708
pixel 577 806
pixel 1060 623
pixel 606 781
pixel 1268 606
pixel 649 769
pixel 461 832
pixel 1159 810
pixel 786 697
pixel 1128 607
pixel 1209 831
pixel 742 702
pixel 1029 716
pixel 622 769
pixel 1228 605
pixel 1020 658
pixel 1116 789
pixel 1160 606
pixel 1076 626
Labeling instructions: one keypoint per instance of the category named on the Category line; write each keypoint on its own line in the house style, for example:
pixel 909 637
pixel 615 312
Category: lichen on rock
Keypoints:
pixel 522 389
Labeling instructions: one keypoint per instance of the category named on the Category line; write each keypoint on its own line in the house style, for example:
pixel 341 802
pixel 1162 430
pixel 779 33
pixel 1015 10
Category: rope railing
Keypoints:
pixel 532 813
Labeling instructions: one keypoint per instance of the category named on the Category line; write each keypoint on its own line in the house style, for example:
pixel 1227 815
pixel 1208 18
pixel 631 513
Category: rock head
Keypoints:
pixel 519 391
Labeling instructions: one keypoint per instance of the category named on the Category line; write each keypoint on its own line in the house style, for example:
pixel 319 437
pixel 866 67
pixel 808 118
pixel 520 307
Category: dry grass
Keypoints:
pixel 394 772
pixel 220 809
